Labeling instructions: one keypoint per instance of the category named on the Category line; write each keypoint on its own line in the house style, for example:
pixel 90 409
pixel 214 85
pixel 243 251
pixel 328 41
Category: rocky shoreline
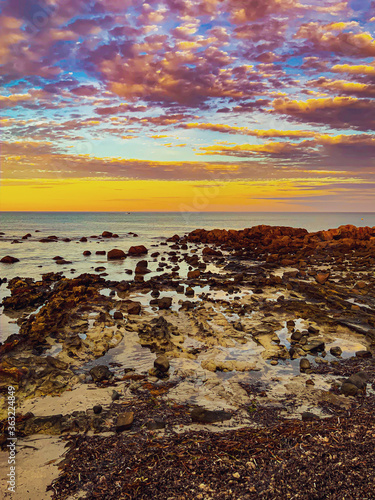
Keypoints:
pixel 244 347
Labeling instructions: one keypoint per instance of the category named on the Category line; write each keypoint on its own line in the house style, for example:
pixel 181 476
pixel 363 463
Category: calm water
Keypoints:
pixel 152 228
pixel 37 258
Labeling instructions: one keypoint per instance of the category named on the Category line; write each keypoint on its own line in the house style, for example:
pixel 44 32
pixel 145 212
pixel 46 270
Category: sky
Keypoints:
pixel 187 105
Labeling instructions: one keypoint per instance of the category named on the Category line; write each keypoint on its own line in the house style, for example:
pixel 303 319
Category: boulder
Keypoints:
pixel 107 234
pixel 165 303
pixel 349 389
pixel 124 421
pixel 336 351
pixel 194 274
pixel 100 373
pixel 86 253
pixel 100 252
pixel 8 259
pixel 203 416
pixel 134 308
pixel 116 254
pixel 304 365
pixel 138 250
pixel 161 363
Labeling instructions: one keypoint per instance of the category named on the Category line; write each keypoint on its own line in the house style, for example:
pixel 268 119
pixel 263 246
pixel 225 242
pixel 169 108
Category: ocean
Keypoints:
pixel 152 228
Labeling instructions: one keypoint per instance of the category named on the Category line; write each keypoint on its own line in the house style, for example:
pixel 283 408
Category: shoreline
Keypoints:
pixel 252 329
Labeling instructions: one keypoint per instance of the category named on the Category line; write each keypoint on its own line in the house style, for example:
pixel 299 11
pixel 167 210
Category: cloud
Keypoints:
pixel 337 112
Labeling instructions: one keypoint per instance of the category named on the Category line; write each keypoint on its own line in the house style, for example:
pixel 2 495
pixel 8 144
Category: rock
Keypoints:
pixel 124 421
pixel 296 336
pixel 161 363
pixel 83 239
pixel 358 379
pixel 115 395
pixel 321 278
pixel 308 416
pixel 155 424
pixel 116 254
pixel 97 409
pixel 86 253
pixel 360 285
pixel 107 234
pixel 100 252
pixel 336 351
pixel 118 315
pixel 134 308
pixel 203 416
pixel 8 259
pixel 100 373
pixel 189 292
pixel 194 274
pixel 138 250
pixel 314 346
pixel 349 389
pixel 363 354
pixel 165 303
pixel 304 365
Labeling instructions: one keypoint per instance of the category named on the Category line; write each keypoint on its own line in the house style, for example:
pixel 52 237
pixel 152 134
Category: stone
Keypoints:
pixel 314 346
pixel 322 278
pixel 161 363
pixel 358 379
pixel 308 416
pixel 118 315
pixel 116 254
pixel 363 354
pixel 86 253
pixel 107 234
pixel 100 252
pixel 155 424
pixel 194 274
pixel 134 308
pixel 124 421
pixel 296 336
pixel 203 416
pixel 97 409
pixel 336 351
pixel 83 239
pixel 138 250
pixel 189 292
pixel 100 373
pixel 8 259
pixel 165 303
pixel 304 364
pixel 115 395
pixel 349 389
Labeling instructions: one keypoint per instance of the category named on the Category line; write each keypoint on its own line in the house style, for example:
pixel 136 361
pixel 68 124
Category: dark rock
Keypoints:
pixel 97 409
pixel 304 364
pixel 116 254
pixel 363 354
pixel 161 363
pixel 155 424
pixel 138 250
pixel 86 253
pixel 321 278
pixel 134 308
pixel 296 336
pixel 358 379
pixel 8 259
pixel 118 315
pixel 100 373
pixel 307 416
pixel 314 346
pixel 115 395
pixel 165 303
pixel 107 234
pixel 204 416
pixel 83 239
pixel 336 351
pixel 100 252
pixel 349 389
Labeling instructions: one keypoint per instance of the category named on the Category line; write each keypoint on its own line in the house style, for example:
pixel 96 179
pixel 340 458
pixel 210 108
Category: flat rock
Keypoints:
pixel 203 416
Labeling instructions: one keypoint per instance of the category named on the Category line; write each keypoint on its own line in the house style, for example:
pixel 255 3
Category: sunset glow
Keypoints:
pixel 178 105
